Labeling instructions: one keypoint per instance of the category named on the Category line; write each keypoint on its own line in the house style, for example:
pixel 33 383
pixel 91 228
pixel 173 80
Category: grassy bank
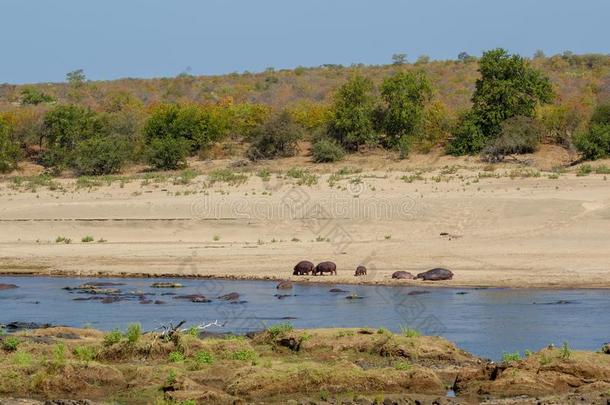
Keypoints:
pixel 281 365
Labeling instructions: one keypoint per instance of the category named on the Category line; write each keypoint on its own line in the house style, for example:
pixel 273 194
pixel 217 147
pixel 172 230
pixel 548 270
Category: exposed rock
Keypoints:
pixel 229 297
pixel 337 290
pixel 418 292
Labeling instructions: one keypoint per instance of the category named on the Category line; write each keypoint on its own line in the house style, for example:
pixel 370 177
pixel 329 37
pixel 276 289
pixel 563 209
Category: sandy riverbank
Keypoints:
pixel 510 227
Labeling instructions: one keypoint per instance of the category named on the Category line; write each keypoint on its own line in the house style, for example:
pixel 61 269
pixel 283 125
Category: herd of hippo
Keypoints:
pixel 306 267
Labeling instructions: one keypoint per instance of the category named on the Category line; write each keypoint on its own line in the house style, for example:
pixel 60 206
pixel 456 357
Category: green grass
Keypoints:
pixel 63 239
pixel 277 330
pixel 244 355
pixel 303 177
pixel 85 353
pixel 603 169
pixel 22 358
pixel 227 176
pixel 186 177
pixel 584 170
pixel 508 357
pixel 402 365
pixel 409 332
pixel 565 352
pixel 264 174
pixel 87 239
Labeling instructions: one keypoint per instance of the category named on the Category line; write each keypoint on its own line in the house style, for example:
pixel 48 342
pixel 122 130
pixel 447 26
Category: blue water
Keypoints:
pixel 486 322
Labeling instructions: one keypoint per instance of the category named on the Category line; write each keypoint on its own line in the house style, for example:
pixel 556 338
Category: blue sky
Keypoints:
pixel 41 40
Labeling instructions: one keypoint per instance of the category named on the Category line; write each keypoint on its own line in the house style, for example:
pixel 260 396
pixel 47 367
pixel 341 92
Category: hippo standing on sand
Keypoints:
pixel 402 275
pixel 436 274
pixel 325 267
pixel 360 271
pixel 303 267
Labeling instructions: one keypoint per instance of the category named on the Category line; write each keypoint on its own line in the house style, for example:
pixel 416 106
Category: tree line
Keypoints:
pixel 513 109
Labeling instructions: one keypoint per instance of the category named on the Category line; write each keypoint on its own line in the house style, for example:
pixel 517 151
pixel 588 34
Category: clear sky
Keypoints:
pixel 41 40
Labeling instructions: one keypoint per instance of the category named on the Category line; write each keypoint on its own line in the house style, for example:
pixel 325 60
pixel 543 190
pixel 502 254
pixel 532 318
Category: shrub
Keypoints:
pixel 410 332
pixel 176 357
pixel 9 150
pixel 326 150
pixel 113 337
pixel 33 96
pixel 201 125
pixel 87 239
pixel 601 115
pixel 594 143
pixel 509 357
pixel 203 357
pixel 84 353
pixel 354 107
pixel 402 365
pixel 468 138
pixel 134 332
pixel 100 155
pixel 277 137
pixel 10 343
pixel 227 176
pixel 518 135
pixel 168 153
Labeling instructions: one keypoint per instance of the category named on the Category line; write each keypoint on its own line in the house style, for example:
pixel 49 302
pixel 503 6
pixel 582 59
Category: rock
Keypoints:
pixel 229 297
pixel 103 284
pixel 110 300
pixel 461 293
pixel 189 297
pixel 353 297
pixel 560 302
pixel 436 274
pixel 145 302
pixel 337 290
pixel 15 326
pixel 166 285
pixel 284 285
pixel 159 302
pixel 402 275
pixel 291 343
pixel 282 296
pixel 7 287
pixel 67 335
pixel 606 348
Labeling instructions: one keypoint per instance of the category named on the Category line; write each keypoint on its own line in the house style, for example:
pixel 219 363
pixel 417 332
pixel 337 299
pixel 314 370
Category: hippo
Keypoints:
pixel 325 267
pixel 284 285
pixel 360 271
pixel 229 297
pixel 303 267
pixel 402 275
pixel 436 274
pixel 7 286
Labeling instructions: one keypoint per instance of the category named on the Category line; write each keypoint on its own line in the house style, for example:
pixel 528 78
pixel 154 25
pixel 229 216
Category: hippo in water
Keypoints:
pixel 436 274
pixel 325 267
pixel 402 275
pixel 360 271
pixel 284 285
pixel 303 267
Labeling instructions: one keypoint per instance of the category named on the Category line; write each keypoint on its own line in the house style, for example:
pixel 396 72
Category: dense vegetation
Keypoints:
pixel 497 105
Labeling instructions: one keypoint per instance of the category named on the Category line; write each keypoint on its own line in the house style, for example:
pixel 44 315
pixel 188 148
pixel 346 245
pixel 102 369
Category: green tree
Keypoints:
pixel 200 125
pixel 405 95
pixel 9 150
pixel 76 78
pixel 63 127
pixel 508 87
pixel 352 123
pixel 601 115
pixel 399 59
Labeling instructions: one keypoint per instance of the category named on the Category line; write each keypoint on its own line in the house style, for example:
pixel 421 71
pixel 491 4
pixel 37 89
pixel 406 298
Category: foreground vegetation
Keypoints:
pixel 498 105
pixel 281 364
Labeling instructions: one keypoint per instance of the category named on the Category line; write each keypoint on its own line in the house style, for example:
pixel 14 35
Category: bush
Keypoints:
pixel 168 153
pixel 10 343
pixel 326 150
pixel 277 137
pixel 518 135
pixel 203 357
pixel 100 155
pixel 134 331
pixel 33 96
pixel 201 125
pixel 594 143
pixel 9 151
pixel 601 115
pixel 468 138
pixel 113 337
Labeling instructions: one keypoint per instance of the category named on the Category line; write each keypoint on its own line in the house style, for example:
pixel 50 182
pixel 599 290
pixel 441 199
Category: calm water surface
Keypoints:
pixel 486 322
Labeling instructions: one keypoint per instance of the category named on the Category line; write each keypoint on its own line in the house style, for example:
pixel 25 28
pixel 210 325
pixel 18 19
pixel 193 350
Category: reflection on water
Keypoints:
pixel 486 322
